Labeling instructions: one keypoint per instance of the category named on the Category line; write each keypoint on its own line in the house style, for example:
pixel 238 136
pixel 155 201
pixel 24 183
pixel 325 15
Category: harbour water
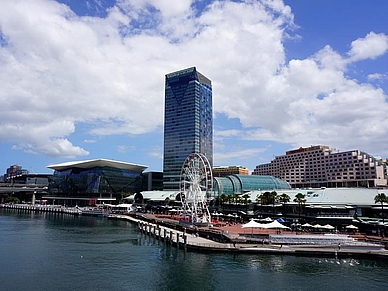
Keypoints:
pixel 52 251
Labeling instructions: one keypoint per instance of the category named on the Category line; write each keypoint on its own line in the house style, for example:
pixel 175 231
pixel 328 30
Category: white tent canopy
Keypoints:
pixel 273 224
pixel 276 224
pixel 253 224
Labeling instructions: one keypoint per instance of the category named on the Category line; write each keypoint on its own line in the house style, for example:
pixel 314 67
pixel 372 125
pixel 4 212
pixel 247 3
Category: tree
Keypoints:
pixel 300 198
pixel 268 198
pixel 223 198
pixel 273 198
pixel 11 199
pixel 246 196
pixel 265 198
pixel 236 198
pixel 259 199
pixel 283 199
pixel 381 198
pixel 230 200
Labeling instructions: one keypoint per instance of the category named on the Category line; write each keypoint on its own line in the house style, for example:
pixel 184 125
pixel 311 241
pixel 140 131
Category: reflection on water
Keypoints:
pixel 64 252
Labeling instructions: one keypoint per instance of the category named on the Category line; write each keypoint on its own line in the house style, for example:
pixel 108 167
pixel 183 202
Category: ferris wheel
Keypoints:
pixel 196 184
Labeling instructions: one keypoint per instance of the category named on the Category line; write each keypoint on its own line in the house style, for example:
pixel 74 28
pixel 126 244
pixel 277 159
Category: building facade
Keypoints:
pixel 152 181
pixel 13 172
pixel 188 122
pixel 320 166
pixel 229 170
pixel 240 184
pixel 93 182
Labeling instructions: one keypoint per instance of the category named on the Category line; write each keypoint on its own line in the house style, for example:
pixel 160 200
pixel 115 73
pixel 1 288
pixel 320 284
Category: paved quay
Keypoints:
pixel 232 238
pixel 164 229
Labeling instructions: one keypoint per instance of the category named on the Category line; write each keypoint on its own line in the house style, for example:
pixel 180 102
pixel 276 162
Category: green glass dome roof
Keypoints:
pixel 238 184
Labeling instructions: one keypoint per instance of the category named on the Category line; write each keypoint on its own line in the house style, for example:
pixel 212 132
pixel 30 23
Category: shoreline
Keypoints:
pixel 226 239
pixel 201 244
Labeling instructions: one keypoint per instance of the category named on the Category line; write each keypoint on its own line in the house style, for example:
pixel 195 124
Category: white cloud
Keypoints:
pixel 377 77
pixel 89 141
pixel 156 152
pixel 61 148
pixel 125 149
pixel 165 7
pixel 369 47
pixel 237 154
pixel 60 70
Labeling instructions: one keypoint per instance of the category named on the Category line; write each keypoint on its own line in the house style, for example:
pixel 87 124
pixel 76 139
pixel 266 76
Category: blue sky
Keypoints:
pixel 85 79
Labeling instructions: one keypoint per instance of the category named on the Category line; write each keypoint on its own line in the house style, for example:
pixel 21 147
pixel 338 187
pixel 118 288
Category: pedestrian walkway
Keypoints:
pixel 188 241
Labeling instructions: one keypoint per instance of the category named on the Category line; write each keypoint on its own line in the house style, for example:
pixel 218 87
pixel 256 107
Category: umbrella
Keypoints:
pixel 351 227
pixel 317 226
pixel 328 226
pixel 306 225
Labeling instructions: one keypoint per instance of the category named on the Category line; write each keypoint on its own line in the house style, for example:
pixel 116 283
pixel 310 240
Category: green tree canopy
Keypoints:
pixel 381 198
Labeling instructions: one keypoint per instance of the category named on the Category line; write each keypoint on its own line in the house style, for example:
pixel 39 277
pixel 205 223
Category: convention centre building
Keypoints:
pixel 93 182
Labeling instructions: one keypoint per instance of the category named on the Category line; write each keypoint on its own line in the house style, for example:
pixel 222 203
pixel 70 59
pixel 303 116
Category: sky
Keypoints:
pixel 84 80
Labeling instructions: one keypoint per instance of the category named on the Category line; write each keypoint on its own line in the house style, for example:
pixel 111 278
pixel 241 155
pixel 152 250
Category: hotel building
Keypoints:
pixel 320 166
pixel 188 122
pixel 229 170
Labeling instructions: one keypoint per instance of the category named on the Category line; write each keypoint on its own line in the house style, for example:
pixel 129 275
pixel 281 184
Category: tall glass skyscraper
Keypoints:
pixel 188 122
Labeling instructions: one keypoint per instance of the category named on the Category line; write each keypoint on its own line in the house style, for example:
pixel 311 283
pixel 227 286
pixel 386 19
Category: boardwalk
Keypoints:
pixel 261 241
pixel 194 242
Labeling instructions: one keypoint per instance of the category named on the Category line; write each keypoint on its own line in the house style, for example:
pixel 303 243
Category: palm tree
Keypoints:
pixel 223 199
pixel 273 198
pixel 381 198
pixel 283 199
pixel 299 198
pixel 265 198
pixel 259 199
pixel 236 198
pixel 246 196
pixel 230 200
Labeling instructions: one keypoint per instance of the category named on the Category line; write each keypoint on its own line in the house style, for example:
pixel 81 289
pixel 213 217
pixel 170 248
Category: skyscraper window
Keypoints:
pixel 188 122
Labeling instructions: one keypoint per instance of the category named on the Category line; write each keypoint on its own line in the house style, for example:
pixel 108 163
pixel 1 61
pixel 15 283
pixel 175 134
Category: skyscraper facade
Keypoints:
pixel 188 122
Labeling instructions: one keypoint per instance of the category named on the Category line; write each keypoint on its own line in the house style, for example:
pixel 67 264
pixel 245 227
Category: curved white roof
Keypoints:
pixel 343 196
pixel 88 164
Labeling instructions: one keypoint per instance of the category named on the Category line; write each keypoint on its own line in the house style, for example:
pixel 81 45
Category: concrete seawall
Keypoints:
pixel 190 240
pixel 43 208
pixel 193 242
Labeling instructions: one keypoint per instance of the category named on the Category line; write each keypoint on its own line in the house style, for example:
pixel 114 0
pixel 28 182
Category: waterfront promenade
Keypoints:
pixel 233 238
pixel 191 241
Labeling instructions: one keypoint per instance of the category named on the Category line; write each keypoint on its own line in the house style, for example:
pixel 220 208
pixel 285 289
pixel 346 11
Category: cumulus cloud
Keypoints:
pixel 60 70
pixel 377 77
pixel 371 46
